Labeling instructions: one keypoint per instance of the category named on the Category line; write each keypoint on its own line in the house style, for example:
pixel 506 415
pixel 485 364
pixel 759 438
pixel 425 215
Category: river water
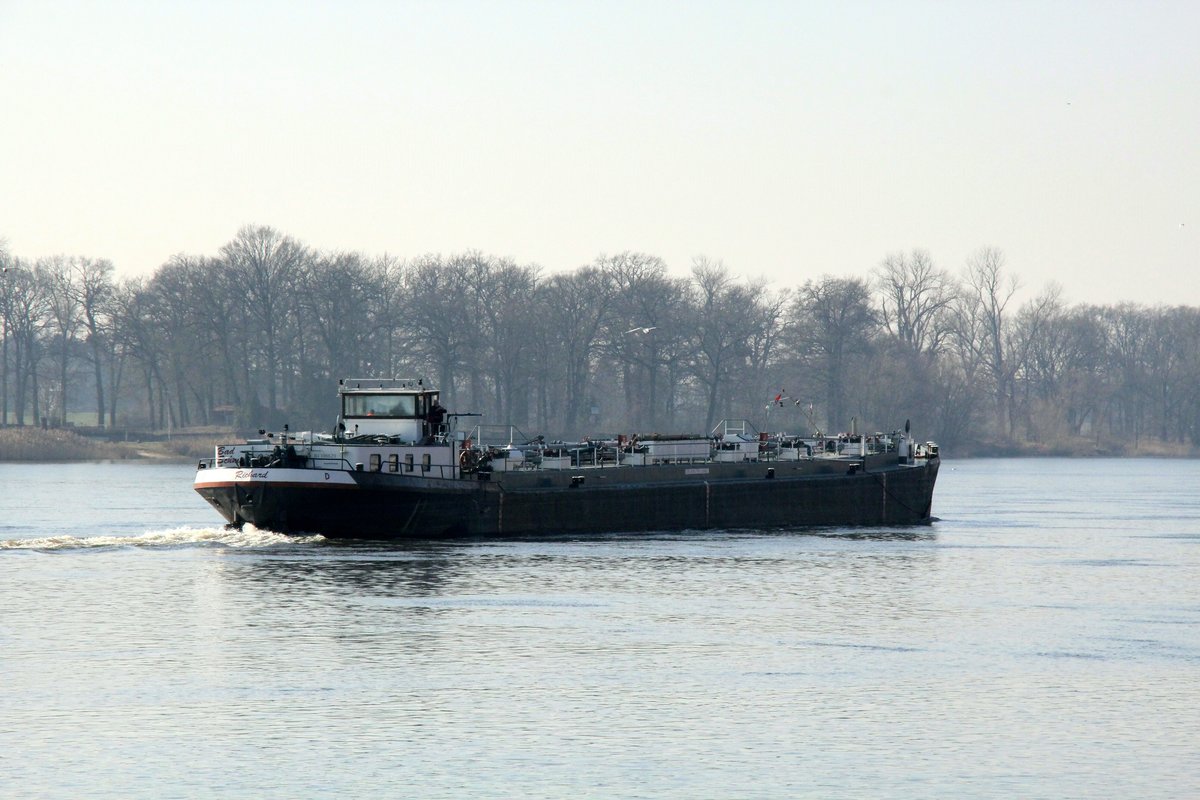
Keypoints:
pixel 1042 640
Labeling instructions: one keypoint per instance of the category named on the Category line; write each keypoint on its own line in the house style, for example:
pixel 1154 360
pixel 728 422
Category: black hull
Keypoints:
pixel 774 495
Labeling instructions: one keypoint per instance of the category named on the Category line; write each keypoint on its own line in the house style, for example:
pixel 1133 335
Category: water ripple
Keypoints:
pixel 155 654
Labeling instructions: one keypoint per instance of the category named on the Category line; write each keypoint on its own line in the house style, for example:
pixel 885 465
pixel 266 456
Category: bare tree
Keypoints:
pixel 1129 332
pixel 141 339
pixel 576 307
pixel 267 265
pixel 833 321
pixel 389 330
pixel 982 323
pixel 619 335
pixel 224 325
pixel 641 330
pixel 1035 347
pixel 1085 387
pixel 336 294
pixel 180 366
pixel 94 290
pixel 502 294
pixel 6 283
pixel 57 276
pixel 115 341
pixel 438 315
pixel 29 317
pixel 724 328
pixel 768 311
pixel 1174 370
pixel 915 300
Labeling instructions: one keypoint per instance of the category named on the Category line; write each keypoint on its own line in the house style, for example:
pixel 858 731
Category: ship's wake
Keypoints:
pixel 248 537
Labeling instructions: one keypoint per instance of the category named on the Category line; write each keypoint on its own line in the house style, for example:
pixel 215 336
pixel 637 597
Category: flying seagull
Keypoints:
pixel 642 330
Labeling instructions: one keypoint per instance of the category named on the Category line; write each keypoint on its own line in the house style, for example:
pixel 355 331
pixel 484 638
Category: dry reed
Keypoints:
pixel 36 444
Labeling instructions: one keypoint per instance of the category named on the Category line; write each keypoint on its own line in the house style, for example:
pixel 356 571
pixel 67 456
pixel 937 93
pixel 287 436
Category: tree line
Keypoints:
pixel 259 334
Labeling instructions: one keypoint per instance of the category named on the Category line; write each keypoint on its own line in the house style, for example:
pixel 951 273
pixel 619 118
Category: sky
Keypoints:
pixel 790 140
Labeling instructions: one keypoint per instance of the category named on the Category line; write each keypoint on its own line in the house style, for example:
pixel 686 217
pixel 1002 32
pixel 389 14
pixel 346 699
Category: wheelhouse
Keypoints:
pixel 394 408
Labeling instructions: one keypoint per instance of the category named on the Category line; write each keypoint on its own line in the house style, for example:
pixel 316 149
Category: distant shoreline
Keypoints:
pixel 1078 447
pixel 37 445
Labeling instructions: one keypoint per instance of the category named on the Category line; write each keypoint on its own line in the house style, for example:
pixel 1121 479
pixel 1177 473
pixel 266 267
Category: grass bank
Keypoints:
pixel 35 444
pixel 190 448
pixel 1076 447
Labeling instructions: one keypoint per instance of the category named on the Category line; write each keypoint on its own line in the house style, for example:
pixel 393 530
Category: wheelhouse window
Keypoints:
pixel 387 406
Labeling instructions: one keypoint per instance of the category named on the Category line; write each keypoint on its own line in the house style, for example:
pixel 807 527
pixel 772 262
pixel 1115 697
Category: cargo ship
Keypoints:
pixel 397 465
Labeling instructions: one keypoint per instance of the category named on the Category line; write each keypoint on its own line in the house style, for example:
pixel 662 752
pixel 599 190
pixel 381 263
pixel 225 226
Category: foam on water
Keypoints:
pixel 248 537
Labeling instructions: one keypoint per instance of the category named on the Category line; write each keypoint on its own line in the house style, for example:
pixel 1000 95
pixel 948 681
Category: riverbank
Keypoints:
pixel 30 444
pixel 1076 447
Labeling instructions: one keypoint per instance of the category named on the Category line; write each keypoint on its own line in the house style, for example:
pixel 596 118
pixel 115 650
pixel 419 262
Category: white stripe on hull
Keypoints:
pixel 232 476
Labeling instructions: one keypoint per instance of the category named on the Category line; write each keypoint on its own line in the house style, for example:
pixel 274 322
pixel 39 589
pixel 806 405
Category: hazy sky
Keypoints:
pixel 788 139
